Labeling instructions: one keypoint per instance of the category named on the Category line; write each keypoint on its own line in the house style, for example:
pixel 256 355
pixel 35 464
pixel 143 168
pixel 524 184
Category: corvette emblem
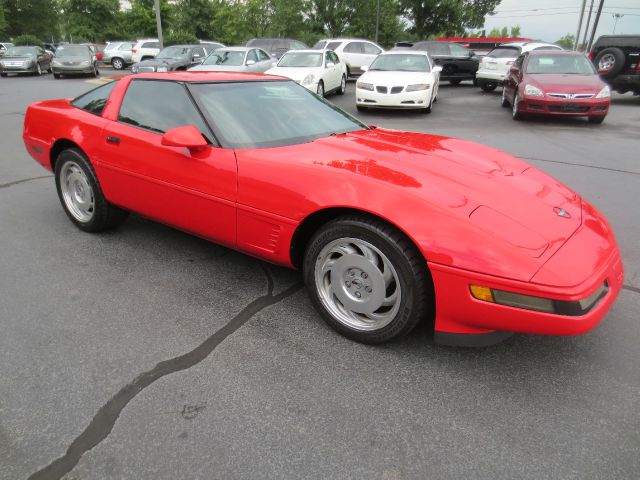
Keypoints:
pixel 561 212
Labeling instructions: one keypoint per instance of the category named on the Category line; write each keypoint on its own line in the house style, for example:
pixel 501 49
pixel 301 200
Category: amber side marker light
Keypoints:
pixel 539 304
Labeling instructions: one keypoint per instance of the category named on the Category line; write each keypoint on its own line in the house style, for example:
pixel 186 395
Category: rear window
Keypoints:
pixel 333 45
pixel 433 48
pixel 504 52
pixel 94 100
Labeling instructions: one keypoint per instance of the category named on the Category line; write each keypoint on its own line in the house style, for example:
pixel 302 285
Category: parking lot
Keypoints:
pixel 146 353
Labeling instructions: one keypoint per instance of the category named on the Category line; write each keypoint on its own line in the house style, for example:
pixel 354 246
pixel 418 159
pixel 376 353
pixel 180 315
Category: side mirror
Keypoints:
pixel 514 69
pixel 437 69
pixel 251 62
pixel 364 68
pixel 187 136
pixel 330 65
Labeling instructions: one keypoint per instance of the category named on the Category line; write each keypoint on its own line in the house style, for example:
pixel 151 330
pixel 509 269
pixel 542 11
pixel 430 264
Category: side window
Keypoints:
pixel 458 51
pixel 334 58
pixel 252 55
pixel 125 47
pixel 353 47
pixel 370 49
pixel 437 48
pixel 262 55
pixel 150 45
pixel 199 51
pixel 159 106
pixel 94 100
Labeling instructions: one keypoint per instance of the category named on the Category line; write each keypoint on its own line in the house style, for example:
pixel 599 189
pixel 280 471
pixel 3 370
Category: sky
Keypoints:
pixel 550 20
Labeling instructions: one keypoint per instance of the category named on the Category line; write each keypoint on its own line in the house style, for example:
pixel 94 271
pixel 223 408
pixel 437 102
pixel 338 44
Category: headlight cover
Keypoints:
pixel 604 93
pixel 364 86
pixel 531 91
pixel 417 87
pixel 308 80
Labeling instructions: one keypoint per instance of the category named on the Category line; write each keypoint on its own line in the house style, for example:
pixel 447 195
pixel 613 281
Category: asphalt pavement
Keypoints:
pixel 146 353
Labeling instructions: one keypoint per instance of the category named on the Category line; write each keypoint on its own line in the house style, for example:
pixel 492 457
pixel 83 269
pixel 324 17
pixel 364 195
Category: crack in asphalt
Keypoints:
pixel 103 422
pixel 631 289
pixel 11 184
pixel 580 165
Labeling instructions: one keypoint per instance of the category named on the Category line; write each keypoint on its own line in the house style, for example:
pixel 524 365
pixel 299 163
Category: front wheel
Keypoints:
pixel 515 107
pixel 367 280
pixel 320 89
pixel 504 101
pixel 38 69
pixel 81 196
pixel 343 85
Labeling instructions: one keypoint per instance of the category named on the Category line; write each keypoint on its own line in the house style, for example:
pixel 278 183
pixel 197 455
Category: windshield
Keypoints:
pixel 504 52
pixel 319 45
pixel 295 59
pixel 560 65
pixel 79 51
pixel 173 52
pixel 225 58
pixel 21 52
pixel 401 63
pixel 269 113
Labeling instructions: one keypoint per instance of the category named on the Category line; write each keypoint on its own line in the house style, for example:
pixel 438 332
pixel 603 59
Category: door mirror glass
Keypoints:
pixel 187 136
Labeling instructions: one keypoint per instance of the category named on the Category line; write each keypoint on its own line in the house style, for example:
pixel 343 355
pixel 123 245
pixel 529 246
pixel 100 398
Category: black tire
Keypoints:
pixel 361 108
pixel 56 76
pixel 504 102
pixel 489 86
pixel 515 110
pixel 455 81
pixel 117 63
pixel 320 89
pixel 3 75
pixel 105 215
pixel 610 53
pixel 417 298
pixel 348 72
pixel 343 85
pixel 598 120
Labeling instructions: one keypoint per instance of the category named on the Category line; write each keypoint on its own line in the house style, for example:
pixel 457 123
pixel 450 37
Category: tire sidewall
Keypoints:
pixel 619 57
pixel 405 319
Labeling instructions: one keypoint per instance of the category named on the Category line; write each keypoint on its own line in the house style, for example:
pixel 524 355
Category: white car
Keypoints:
pixel 236 59
pixel 145 49
pixel 320 71
pixel 399 79
pixel 355 53
pixel 494 67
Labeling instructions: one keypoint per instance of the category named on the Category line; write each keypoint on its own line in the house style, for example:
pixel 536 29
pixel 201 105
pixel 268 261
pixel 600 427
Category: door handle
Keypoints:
pixel 112 139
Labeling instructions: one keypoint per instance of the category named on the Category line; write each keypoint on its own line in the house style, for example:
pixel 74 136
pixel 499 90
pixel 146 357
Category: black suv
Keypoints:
pixel 458 63
pixel 617 58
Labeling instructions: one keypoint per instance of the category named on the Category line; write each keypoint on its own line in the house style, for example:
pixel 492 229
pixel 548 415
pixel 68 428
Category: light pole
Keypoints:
pixel 156 4
pixel 577 40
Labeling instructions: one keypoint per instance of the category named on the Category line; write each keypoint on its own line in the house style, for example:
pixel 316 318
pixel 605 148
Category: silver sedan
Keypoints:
pixel 236 59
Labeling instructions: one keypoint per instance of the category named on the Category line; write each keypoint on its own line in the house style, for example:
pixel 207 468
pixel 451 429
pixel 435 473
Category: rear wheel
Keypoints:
pixel 81 196
pixel 3 75
pixel 610 62
pixel 489 86
pixel 596 120
pixel 361 108
pixel 56 76
pixel 343 85
pixel 504 102
pixel 367 280
pixel 117 63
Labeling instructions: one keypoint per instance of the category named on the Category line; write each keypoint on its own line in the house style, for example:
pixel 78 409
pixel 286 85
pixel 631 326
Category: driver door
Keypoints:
pixel 195 192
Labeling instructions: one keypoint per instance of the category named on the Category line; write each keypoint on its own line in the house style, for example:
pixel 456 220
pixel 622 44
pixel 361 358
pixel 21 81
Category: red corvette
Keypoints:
pixel 555 82
pixel 388 227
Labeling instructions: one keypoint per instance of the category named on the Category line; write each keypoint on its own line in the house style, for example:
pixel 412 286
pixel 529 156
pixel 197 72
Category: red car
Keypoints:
pixel 389 228
pixel 548 82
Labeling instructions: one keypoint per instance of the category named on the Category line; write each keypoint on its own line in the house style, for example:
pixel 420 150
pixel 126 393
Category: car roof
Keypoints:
pixel 308 50
pixel 536 53
pixel 204 76
pixel 185 46
pixel 406 52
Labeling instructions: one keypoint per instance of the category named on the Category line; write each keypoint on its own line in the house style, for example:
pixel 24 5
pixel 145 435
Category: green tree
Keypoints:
pixel 179 37
pixel 567 41
pixel 140 20
pixel 515 31
pixel 504 32
pixel 363 23
pixel 330 17
pixel 195 16
pixel 32 17
pixel 89 20
pixel 447 17
pixel 27 40
pixel 3 22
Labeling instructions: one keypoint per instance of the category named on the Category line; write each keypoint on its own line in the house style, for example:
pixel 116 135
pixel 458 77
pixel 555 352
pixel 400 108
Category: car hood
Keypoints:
pixel 219 68
pixel 294 73
pixel 469 204
pixel 395 78
pixel 567 83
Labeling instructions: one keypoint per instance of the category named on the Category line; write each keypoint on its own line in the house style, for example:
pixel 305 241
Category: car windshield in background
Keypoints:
pixel 560 65
pixel 225 58
pixel 269 113
pixel 293 59
pixel 319 45
pixel 21 52
pixel 504 52
pixel 79 51
pixel 173 52
pixel 401 63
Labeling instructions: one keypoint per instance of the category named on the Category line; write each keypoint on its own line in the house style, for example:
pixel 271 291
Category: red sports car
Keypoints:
pixel 550 82
pixel 389 228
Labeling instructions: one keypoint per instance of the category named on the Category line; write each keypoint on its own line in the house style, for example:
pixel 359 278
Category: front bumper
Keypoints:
pixel 368 98
pixel 18 68
pixel 559 106
pixel 72 69
pixel 582 265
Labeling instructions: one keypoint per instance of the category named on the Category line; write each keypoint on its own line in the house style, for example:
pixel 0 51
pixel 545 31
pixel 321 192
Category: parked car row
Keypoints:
pixel 68 60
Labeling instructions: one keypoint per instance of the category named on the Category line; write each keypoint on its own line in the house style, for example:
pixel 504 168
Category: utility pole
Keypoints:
pixel 377 19
pixel 617 16
pixel 595 25
pixel 156 4
pixel 586 28
pixel 577 40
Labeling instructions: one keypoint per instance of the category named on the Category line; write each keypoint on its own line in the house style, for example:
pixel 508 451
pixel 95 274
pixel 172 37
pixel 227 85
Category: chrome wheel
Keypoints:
pixel 117 64
pixel 606 63
pixel 515 113
pixel 357 284
pixel 77 192
pixel 504 101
